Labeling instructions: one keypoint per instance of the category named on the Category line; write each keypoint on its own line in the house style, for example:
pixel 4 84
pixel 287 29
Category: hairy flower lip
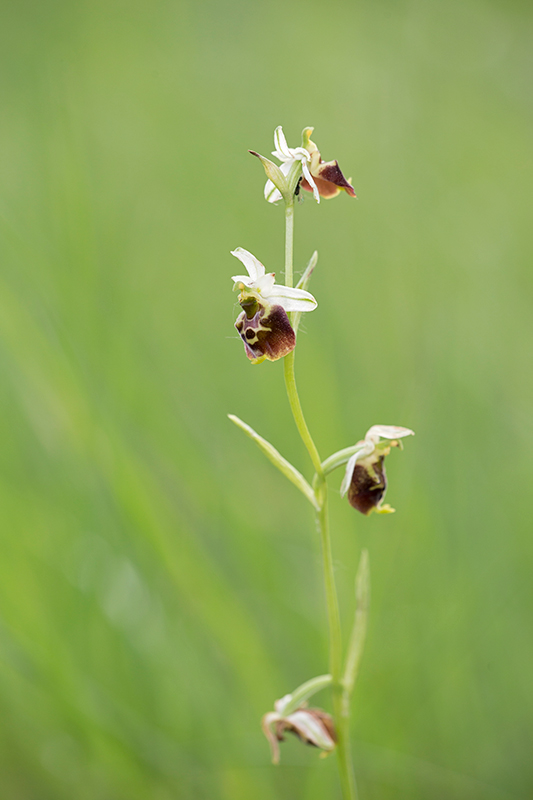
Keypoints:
pixel 266 334
pixel 329 181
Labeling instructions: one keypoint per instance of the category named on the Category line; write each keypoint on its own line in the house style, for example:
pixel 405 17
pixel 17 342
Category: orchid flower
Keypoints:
pixel 365 479
pixel 324 179
pixel 263 324
pixel 311 725
pixel 288 156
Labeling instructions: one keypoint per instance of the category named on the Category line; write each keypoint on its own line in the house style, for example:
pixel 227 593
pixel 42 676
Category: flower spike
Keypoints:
pixel 263 324
pixel 365 479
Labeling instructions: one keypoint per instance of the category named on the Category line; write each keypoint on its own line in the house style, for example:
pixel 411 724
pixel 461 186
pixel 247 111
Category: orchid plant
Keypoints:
pixel 268 326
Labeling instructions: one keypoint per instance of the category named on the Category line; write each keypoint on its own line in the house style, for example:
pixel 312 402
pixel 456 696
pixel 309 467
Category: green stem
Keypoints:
pixel 341 707
pixel 290 380
pixel 334 625
pixel 296 408
pixel 289 237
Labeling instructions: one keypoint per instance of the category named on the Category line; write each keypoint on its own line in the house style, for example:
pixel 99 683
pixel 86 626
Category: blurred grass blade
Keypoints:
pixel 358 635
pixel 277 459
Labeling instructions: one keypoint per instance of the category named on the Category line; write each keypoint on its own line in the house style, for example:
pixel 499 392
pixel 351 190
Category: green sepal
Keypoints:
pixel 274 174
pixel 340 458
pixel 295 173
pixel 358 634
pixel 291 702
pixel 277 459
pixel 303 283
pixel 306 137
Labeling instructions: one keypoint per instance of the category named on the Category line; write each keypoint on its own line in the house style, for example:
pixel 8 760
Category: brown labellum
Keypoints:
pixel 266 334
pixel 324 719
pixel 367 486
pixel 329 180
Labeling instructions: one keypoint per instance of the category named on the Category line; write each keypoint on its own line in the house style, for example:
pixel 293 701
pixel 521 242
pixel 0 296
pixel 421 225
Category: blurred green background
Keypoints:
pixel 160 582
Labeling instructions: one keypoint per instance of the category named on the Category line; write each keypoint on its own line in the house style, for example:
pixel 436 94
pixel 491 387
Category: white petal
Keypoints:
pixel 293 154
pixel 387 432
pixel 253 265
pixel 312 729
pixel 265 284
pixel 310 181
pixel 350 466
pixel 242 279
pixel 300 153
pixel 271 193
pixel 286 166
pixel 292 299
pixel 280 143
pixel 282 703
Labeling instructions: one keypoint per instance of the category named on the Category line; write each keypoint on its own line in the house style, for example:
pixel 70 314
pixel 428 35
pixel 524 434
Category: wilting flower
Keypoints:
pixel 322 178
pixel 263 324
pixel 365 479
pixel 311 725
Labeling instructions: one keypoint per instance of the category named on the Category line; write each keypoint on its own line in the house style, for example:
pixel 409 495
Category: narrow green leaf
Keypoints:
pixel 303 283
pixel 293 701
pixel 277 459
pixel 358 635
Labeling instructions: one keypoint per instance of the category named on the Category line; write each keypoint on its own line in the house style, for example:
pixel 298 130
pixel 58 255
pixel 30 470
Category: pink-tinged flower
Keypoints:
pixel 311 725
pixel 263 324
pixel 327 176
pixel 365 479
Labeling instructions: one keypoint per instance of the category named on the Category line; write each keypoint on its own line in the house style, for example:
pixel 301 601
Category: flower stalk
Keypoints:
pixel 339 693
pixel 289 241
pixel 268 326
